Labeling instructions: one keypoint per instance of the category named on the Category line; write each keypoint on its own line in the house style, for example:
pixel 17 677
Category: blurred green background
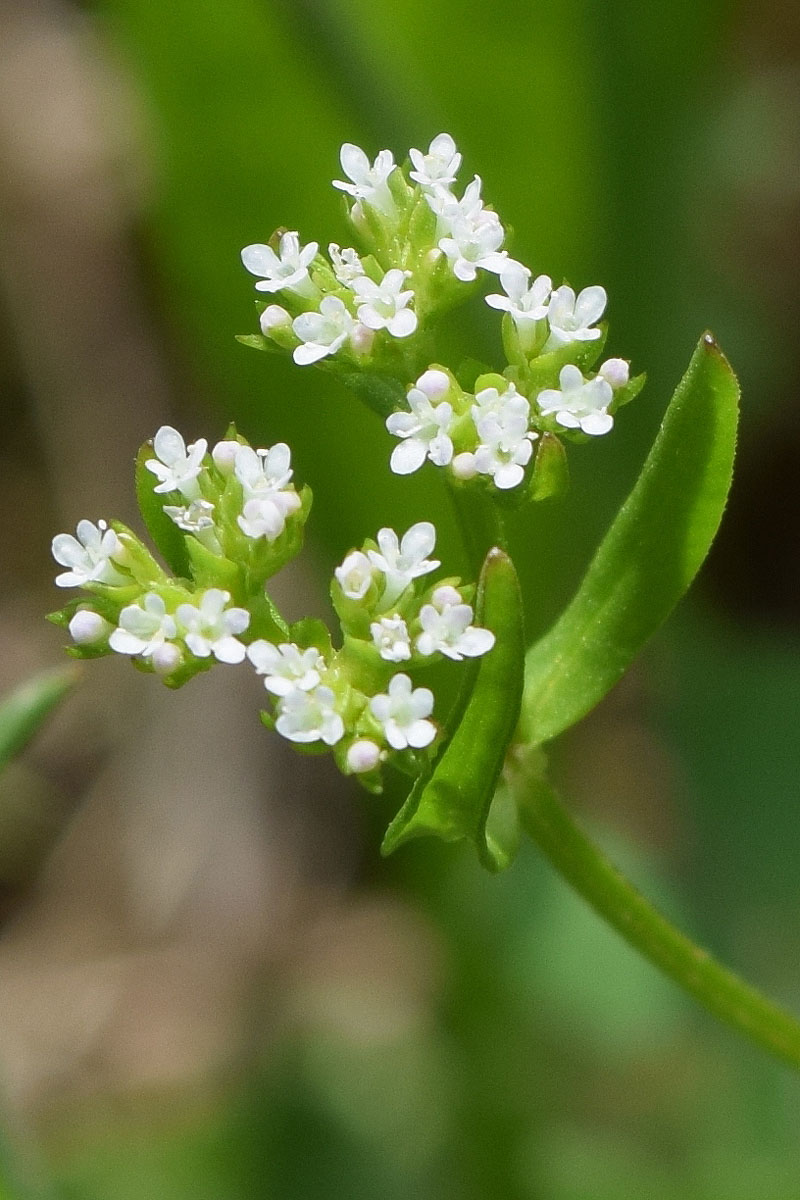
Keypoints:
pixel 210 985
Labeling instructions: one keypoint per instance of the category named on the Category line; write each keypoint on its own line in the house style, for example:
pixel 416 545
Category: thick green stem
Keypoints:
pixel 599 883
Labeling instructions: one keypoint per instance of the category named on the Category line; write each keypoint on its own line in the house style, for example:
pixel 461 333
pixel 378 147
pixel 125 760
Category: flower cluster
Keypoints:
pixel 225 520
pixel 422 245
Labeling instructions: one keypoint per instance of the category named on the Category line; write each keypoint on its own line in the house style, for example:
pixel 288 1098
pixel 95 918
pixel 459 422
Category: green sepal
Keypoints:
pixel 257 341
pixel 454 802
pixel 647 559
pixel 492 379
pixel 310 631
pixel 213 570
pixel 165 533
pixel 266 622
pixel 550 475
pixel 24 710
pixel 544 370
pixel 629 392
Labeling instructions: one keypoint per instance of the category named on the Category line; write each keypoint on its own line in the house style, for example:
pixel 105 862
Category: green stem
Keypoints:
pixel 584 866
pixel 481 523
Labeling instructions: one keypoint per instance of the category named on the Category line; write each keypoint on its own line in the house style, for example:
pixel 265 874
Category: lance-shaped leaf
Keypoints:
pixel 25 709
pixel 649 556
pixel 162 529
pixel 453 803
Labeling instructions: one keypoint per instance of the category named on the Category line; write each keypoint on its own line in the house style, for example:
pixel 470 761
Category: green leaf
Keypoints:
pixel 25 709
pixel 648 558
pixel 164 532
pixel 454 802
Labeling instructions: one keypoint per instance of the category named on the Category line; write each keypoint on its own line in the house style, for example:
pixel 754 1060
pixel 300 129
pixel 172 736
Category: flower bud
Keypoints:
pixel 166 658
pixel 364 755
pixel 615 371
pixel 463 466
pixel 224 456
pixel 87 628
pixel 272 318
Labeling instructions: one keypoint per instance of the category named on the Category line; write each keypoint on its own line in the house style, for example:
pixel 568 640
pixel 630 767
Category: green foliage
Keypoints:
pixel 454 802
pixel 24 711
pixel 647 559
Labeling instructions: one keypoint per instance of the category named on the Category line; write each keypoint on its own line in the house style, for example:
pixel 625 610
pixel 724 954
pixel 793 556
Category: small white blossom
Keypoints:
pixel 439 167
pixel 446 627
pixel 526 303
pixel 369 183
pixel 210 627
pixel 355 575
pixel 286 270
pixel 425 432
pixel 263 472
pixel 501 420
pixel 616 372
pixel 403 561
pixel 265 516
pixel 177 465
pixel 471 246
pixel 384 305
pixel 363 755
pixel 87 628
pixel 310 716
pixel 144 628
pixel 322 333
pixel 196 518
pixel 88 556
pixel 390 638
pixel 402 711
pixel 286 667
pixel 572 318
pixel 468 210
pixel 346 264
pixel 579 403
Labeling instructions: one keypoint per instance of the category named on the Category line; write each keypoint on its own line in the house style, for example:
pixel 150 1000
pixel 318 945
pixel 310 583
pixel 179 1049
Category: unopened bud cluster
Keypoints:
pixel 421 249
pixel 239 518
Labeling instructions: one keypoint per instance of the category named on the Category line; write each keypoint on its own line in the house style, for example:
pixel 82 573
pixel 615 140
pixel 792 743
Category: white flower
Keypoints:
pixel 526 304
pixel 579 404
pixel 368 183
pixel 265 477
pixel 616 372
pixel 439 167
pixel 310 716
pixel 425 432
pixel 471 246
pixel 363 755
pixel 402 561
pixel 196 518
pixel 469 209
pixel 88 556
pixel 265 516
pixel 176 464
pixel 446 627
pixel 390 638
pixel 384 305
pixel 355 575
pixel 501 419
pixel 87 628
pixel 263 472
pixel 402 712
pixel 145 628
pixel 210 627
pixel 322 333
pixel 286 667
pixel 572 318
pixel 288 269
pixel 346 264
